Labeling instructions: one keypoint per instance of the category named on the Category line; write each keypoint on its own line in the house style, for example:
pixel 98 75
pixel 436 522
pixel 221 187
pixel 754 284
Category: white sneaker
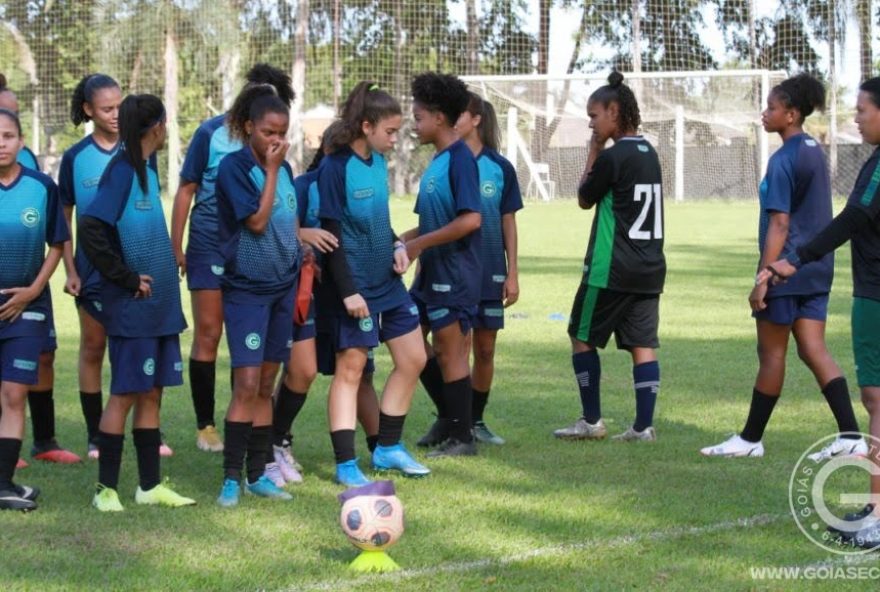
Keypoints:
pixel 734 447
pixel 649 434
pixel 273 474
pixel 841 447
pixel 286 464
pixel 582 430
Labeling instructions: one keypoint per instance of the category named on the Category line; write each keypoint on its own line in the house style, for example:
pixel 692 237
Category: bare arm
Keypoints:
pixel 24 295
pixel 511 285
pixel 774 243
pixel 463 224
pixel 179 215
pixel 73 283
pixel 259 220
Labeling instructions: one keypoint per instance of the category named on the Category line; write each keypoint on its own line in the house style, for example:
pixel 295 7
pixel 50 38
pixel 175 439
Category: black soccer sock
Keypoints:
pixel 146 443
pixel 759 415
pixel 390 429
pixel 837 394
pixel 109 458
pixel 343 445
pixel 257 448
pixel 10 449
pixel 42 406
pixel 432 380
pixel 202 381
pixel 458 396
pixel 588 372
pixel 235 443
pixel 92 407
pixel 372 441
pixel 479 404
pixel 646 379
pixel 287 406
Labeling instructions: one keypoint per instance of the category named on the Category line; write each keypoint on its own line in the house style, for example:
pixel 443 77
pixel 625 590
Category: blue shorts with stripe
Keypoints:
pixel 490 315
pixel 257 333
pixel 20 359
pixel 140 364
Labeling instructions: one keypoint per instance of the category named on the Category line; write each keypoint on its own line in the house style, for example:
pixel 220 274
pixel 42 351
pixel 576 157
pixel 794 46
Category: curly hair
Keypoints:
pixel 279 79
pixel 617 92
pixel 801 92
pixel 441 93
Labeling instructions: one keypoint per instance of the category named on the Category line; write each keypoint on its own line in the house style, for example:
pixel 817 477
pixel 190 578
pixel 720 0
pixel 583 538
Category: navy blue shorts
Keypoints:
pixel 50 343
pixel 378 327
pixel 785 310
pixel 92 306
pixel 307 330
pixel 325 352
pixel 257 333
pixel 20 359
pixel 140 364
pixel 490 315
pixel 201 275
pixel 438 317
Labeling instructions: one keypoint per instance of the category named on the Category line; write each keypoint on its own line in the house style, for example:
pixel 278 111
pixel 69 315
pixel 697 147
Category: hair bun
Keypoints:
pixel 615 79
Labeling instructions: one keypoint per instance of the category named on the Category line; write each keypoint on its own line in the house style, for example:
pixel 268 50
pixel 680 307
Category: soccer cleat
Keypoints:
pixel 50 451
pixel 162 495
pixel 21 464
pixel 454 447
pixel 12 499
pixel 165 449
pixel 649 434
pixel 93 451
pixel 853 517
pixel 841 447
pixel 263 487
pixel 286 445
pixel 583 430
pixel 349 474
pixel 28 493
pixel 483 434
pixel 398 458
pixel 287 464
pixel 273 474
pixel 437 433
pixel 229 493
pixel 868 537
pixel 208 439
pixel 734 447
pixel 107 500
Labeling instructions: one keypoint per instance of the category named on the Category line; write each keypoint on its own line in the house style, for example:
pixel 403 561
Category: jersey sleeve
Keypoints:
pixel 66 191
pixel 235 184
pixel 331 188
pixel 780 186
pixel 56 225
pixel 511 198
pixel 464 180
pixel 301 186
pixel 196 160
pixel 599 179
pixel 868 199
pixel 113 191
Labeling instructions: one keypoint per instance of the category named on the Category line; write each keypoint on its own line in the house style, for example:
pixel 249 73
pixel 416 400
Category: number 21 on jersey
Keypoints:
pixel 643 228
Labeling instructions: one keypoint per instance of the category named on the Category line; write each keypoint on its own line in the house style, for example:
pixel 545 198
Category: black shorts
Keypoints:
pixel 632 318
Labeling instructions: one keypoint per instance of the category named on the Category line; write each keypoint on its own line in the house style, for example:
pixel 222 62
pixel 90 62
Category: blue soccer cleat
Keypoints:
pixel 229 494
pixel 263 487
pixel 350 475
pixel 398 458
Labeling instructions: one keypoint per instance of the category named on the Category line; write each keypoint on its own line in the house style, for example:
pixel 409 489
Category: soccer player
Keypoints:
pixel 624 268
pixel 202 264
pixel 795 206
pixel 41 396
pixel 96 98
pixel 124 235
pixel 447 243
pixel 257 237
pixel 362 291
pixel 501 199
pixel 859 223
pixel 31 218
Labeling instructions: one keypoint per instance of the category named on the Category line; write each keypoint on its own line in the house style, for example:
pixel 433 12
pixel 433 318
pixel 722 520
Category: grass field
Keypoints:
pixel 535 514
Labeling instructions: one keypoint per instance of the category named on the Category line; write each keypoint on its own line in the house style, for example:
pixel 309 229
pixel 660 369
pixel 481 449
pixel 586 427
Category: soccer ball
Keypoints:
pixel 372 522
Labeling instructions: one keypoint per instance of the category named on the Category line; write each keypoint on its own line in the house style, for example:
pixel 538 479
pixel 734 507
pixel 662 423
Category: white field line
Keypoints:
pixel 549 551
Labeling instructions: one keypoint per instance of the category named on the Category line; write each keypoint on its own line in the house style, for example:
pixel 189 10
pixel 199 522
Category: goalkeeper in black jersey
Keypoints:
pixel 624 269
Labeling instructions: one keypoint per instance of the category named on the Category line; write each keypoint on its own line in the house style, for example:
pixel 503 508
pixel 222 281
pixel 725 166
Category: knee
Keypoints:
pixel 871 402
pixel 811 354
pixel 302 373
pixel 484 353
pixel 769 355
pixel 93 348
pixel 47 359
pixel 247 387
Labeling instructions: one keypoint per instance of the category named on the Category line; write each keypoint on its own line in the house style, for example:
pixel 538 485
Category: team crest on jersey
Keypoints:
pixel 811 143
pixel 431 185
pixel 488 189
pixel 217 269
pixel 643 148
pixel 252 341
pixel 98 306
pixel 150 367
pixel 291 201
pixel 366 325
pixel 30 217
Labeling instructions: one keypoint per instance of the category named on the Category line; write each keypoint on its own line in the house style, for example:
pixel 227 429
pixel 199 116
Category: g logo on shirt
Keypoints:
pixel 488 189
pixel 366 325
pixel 431 185
pixel 150 367
pixel 217 269
pixel 252 341
pixel 291 201
pixel 30 217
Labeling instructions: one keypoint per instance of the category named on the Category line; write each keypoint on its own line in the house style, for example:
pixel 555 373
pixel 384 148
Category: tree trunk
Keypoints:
pixel 229 64
pixel 540 140
pixel 832 94
pixel 473 35
pixel 337 69
pixel 170 99
pixel 300 32
pixel 403 148
pixel 866 51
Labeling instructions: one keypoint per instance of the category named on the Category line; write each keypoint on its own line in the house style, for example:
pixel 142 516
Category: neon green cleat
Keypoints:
pixel 162 495
pixel 107 500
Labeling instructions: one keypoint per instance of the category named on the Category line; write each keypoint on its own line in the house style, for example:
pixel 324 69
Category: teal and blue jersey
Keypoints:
pixel 308 200
pixel 797 184
pixel 865 245
pixel 500 195
pixel 28 159
pixel 30 218
pixel 210 144
pixel 450 274
pixel 354 192
pixel 257 267
pixel 82 166
pixel 145 247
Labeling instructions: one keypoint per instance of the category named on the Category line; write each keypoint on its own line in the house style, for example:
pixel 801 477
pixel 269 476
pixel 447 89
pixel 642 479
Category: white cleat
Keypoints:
pixel 649 434
pixel 841 447
pixel 734 447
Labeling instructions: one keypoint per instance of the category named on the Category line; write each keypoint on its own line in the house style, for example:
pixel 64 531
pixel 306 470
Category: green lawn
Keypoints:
pixel 535 514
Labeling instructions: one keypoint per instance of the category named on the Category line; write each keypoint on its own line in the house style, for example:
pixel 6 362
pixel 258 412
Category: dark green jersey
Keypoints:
pixel 626 243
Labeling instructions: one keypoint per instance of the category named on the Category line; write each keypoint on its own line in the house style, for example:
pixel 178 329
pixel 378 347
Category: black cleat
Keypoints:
pixel 454 447
pixel 437 434
pixel 11 499
pixel 853 517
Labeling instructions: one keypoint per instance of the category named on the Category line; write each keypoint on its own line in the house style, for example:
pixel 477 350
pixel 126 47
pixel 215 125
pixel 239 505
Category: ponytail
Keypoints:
pixel 85 93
